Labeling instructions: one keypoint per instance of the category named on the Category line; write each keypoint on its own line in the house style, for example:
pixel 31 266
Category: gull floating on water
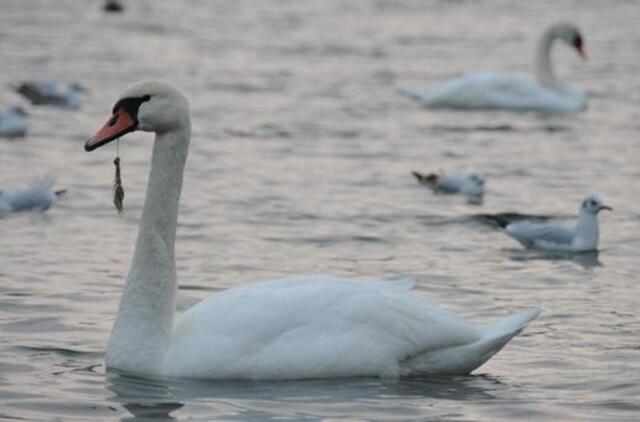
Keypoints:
pixel 550 237
pixel 47 91
pixel 513 90
pixel 470 184
pixel 38 196
pixel 13 122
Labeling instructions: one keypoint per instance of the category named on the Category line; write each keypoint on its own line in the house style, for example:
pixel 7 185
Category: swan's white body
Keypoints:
pixel 38 196
pixel 511 90
pixel 303 327
pixel 47 91
pixel 13 122
pixel 554 238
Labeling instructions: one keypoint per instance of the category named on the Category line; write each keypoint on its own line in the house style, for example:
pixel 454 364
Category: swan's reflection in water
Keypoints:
pixel 144 398
pixel 148 399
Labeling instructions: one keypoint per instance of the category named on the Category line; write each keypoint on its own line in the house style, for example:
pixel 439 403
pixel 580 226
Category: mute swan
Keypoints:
pixel 581 238
pixel 301 327
pixel 47 91
pixel 13 122
pixel 38 196
pixel 471 184
pixel 513 90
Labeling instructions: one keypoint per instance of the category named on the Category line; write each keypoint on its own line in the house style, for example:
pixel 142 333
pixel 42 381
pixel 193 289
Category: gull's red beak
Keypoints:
pixel 605 207
pixel 119 124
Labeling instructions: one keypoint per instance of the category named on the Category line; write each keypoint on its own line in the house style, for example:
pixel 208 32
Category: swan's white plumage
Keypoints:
pixel 499 91
pixel 510 90
pixel 301 327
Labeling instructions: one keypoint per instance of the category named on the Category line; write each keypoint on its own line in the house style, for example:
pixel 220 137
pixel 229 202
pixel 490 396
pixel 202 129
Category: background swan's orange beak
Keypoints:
pixel 119 124
pixel 581 52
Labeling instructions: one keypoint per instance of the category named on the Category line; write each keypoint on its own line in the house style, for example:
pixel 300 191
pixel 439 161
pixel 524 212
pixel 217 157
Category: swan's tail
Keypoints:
pixel 511 325
pixel 464 359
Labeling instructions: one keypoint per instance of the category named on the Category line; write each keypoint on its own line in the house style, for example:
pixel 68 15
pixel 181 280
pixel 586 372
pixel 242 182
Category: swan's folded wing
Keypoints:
pixel 310 327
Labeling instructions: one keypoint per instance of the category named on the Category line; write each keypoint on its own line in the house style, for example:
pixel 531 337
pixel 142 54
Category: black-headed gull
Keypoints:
pixel 38 196
pixel 47 91
pixel 470 184
pixel 550 237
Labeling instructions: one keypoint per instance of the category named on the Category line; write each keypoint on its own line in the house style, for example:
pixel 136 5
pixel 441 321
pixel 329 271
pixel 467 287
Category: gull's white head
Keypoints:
pixel 477 178
pixel 593 204
pixel 474 184
pixel 17 110
pixel 149 106
pixel 76 87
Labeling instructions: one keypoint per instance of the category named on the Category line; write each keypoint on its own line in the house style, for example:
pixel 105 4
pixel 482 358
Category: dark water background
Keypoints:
pixel 300 163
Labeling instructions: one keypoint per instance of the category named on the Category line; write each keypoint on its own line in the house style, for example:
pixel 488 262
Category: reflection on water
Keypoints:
pixel 145 399
pixel 157 399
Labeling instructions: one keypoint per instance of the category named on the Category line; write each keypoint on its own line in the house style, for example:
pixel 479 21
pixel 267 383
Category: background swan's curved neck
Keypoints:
pixel 544 71
pixel 145 317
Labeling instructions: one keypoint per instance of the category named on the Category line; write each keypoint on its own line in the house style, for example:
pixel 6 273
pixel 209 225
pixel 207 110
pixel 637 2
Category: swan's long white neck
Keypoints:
pixel 587 232
pixel 145 318
pixel 544 70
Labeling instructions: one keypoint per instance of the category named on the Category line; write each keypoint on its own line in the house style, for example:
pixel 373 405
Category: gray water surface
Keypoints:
pixel 300 163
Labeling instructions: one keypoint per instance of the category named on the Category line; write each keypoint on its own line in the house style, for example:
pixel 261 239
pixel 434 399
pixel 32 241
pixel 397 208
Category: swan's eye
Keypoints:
pixel 577 41
pixel 131 104
pixel 593 203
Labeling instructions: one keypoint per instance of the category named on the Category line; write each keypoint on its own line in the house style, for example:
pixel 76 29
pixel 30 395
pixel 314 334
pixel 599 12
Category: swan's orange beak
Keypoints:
pixel 605 207
pixel 581 52
pixel 119 124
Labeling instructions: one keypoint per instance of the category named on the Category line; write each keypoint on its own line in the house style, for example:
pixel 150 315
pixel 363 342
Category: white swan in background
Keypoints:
pixel 13 122
pixel 301 327
pixel 47 91
pixel 549 237
pixel 513 90
pixel 470 184
pixel 38 196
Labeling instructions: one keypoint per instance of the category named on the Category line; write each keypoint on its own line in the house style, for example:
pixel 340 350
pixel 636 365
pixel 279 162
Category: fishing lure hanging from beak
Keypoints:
pixel 118 190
